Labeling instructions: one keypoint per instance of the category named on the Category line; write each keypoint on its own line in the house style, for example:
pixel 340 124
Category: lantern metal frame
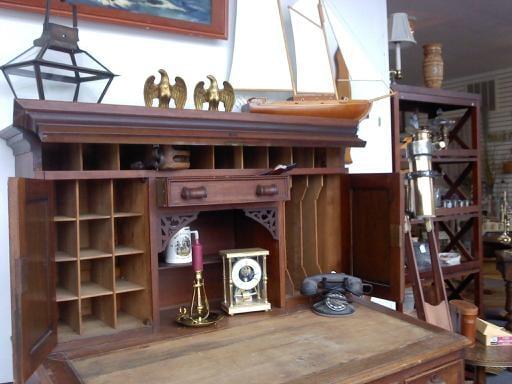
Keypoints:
pixel 63 39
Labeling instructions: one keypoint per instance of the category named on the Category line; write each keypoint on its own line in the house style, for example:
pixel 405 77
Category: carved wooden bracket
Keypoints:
pixel 266 217
pixel 170 225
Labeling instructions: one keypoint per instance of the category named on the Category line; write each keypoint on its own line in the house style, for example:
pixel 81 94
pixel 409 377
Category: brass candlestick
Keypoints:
pixel 198 315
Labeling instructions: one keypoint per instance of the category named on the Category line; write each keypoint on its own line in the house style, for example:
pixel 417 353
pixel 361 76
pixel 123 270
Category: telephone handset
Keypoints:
pixel 333 287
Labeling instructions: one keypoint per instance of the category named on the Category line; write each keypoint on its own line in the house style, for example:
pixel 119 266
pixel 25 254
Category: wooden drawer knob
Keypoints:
pixel 267 190
pixel 194 193
pixel 436 380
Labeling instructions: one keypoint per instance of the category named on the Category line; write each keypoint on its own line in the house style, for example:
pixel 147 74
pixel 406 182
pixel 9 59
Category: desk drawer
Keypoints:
pixel 452 373
pixel 175 192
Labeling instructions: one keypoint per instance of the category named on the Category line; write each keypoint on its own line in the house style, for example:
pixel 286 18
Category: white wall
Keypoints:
pixel 135 54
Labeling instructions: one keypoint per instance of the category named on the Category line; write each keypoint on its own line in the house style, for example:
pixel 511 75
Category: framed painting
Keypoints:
pixel 206 18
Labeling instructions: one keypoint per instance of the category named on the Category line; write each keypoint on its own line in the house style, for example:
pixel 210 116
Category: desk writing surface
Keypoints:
pixel 299 347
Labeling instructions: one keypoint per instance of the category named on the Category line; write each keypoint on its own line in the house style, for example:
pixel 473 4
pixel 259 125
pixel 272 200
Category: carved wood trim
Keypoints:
pixel 171 224
pixel 266 217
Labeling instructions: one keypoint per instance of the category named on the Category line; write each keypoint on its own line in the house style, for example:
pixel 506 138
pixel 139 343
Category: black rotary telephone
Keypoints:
pixel 333 288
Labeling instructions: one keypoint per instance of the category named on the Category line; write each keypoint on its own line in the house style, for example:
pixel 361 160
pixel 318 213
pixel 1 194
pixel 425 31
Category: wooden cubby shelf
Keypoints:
pixel 60 219
pixel 91 289
pixel 126 214
pixel 124 250
pixel 123 286
pixel 92 216
pixel 65 295
pixel 91 253
pixel 61 257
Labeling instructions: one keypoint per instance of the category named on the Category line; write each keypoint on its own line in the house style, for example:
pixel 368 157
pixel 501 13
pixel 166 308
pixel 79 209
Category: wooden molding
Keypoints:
pixel 66 122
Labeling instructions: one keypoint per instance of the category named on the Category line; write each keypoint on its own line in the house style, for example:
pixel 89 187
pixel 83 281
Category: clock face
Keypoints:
pixel 246 273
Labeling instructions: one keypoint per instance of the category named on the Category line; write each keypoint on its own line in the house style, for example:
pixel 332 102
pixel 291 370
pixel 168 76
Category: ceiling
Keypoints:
pixel 476 35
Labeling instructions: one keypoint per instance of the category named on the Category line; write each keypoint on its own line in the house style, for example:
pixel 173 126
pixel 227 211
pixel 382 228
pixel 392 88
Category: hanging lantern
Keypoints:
pixel 55 68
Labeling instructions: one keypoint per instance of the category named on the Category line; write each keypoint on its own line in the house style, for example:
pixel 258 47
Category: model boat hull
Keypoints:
pixel 337 109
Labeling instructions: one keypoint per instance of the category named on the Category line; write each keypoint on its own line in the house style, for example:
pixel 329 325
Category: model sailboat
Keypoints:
pixel 300 54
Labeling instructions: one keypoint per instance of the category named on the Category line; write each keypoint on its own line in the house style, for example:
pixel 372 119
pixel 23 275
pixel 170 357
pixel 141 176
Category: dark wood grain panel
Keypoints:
pixel 376 232
pixel 32 274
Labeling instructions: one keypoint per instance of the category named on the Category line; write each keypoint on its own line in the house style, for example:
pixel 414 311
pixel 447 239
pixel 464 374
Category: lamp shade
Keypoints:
pixel 400 30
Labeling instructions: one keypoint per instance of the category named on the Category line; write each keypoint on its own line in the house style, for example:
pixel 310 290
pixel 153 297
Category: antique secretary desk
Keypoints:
pixel 86 231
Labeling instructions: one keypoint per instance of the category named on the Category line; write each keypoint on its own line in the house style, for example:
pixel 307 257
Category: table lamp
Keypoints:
pixel 400 36
pixel 55 68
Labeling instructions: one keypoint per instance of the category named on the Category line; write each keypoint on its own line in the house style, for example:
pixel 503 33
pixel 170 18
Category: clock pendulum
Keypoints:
pixel 199 314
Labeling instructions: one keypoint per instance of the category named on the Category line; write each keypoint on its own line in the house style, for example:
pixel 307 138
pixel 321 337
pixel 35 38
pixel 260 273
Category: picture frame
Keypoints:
pixel 216 28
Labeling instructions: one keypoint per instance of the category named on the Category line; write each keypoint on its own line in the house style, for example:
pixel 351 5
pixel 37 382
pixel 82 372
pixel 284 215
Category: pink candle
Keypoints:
pixel 197 253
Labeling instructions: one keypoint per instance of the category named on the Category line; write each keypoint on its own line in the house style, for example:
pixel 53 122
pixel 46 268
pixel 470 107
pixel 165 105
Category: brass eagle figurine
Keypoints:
pixel 213 95
pixel 165 92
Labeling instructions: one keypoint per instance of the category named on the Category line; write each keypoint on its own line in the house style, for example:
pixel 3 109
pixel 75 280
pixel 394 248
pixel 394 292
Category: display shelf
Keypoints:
pixel 123 286
pixel 92 216
pixel 95 238
pixel 67 281
pixel 100 156
pixel 453 271
pixel 61 257
pixel 59 219
pixel 91 253
pixel 124 250
pixel 126 214
pixel 63 294
pixel 62 157
pixel 460 170
pixel 126 321
pixel 66 238
pixel 95 198
pixel 91 289
pixel 69 321
pixel 96 277
pixel 207 259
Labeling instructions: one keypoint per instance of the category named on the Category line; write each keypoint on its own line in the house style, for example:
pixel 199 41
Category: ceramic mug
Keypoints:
pixel 179 250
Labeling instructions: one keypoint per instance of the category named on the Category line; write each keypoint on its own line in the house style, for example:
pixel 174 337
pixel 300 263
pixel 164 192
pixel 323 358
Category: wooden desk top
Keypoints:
pixel 493 356
pixel 298 347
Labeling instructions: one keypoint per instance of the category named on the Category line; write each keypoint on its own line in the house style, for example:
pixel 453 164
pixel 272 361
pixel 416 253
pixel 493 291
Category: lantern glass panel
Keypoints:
pixel 23 81
pixel 57 56
pixel 90 91
pixel 28 55
pixel 83 59
pixel 58 84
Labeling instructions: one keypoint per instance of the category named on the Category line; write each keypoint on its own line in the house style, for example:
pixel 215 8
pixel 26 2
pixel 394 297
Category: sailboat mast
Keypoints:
pixel 281 6
pixel 321 12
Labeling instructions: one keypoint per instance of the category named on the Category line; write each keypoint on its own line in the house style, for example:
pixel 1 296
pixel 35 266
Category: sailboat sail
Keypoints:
pixel 259 56
pixel 363 75
pixel 314 71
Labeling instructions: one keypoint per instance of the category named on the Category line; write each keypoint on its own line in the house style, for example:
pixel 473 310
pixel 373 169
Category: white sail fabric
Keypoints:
pixel 365 75
pixel 259 54
pixel 314 71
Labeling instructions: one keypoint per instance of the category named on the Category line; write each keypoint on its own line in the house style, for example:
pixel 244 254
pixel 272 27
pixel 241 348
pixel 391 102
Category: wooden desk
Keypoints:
pixel 481 357
pixel 373 345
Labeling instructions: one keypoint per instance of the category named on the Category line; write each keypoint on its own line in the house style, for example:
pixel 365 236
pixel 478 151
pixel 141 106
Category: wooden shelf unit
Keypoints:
pixel 460 168
pixel 104 222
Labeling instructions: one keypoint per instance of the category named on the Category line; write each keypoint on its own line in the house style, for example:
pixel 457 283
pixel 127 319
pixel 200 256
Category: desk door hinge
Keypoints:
pixel 397 235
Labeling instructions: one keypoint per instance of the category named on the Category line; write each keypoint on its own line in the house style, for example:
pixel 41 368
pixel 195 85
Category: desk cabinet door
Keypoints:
pixel 32 274
pixel 376 217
